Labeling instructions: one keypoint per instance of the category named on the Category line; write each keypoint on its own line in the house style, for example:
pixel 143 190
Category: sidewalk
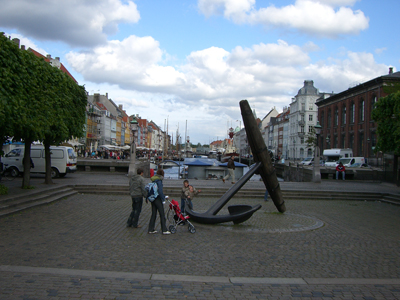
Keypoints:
pixel 121 179
pixel 79 248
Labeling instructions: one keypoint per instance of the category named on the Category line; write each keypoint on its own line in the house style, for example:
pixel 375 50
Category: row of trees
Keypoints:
pixel 37 103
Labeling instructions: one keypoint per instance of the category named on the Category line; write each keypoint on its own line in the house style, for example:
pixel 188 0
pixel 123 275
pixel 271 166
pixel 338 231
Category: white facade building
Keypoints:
pixel 302 119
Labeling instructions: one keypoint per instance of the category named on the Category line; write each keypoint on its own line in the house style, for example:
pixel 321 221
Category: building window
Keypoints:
pixel 302 129
pixel 362 104
pixel 352 111
pixel 301 140
pixel 361 144
pixel 335 141
pixel 311 106
pixel 336 117
pixel 310 129
pixel 329 119
pixel 322 119
pixel 344 115
pixel 373 101
pixel 343 142
pixel 351 141
pixel 310 117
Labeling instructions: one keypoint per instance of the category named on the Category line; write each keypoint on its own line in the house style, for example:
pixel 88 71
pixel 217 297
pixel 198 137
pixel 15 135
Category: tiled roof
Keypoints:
pixel 62 67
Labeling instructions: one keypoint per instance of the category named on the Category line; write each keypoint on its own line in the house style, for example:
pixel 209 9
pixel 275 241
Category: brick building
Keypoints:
pixel 346 117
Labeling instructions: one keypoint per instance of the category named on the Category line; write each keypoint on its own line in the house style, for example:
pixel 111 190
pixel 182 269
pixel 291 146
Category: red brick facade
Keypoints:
pixel 346 117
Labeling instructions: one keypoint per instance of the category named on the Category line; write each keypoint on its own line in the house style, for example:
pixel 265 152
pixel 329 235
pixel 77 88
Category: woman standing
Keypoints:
pixel 157 204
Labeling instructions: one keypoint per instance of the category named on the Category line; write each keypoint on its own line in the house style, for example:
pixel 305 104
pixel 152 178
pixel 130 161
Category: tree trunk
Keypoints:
pixel 47 178
pixel 27 164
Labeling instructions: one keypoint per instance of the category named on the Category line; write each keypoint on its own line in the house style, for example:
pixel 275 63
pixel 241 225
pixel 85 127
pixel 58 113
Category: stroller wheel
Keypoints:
pixel 172 228
pixel 191 229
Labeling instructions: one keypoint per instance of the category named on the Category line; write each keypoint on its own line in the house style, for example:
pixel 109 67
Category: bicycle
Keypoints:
pixel 7 173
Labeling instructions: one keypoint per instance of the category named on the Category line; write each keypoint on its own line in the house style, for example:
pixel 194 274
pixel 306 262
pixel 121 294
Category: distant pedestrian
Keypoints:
pixel 137 191
pixel 340 169
pixel 231 170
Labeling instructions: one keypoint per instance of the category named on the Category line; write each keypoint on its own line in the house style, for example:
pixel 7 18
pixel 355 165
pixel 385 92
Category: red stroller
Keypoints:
pixel 176 218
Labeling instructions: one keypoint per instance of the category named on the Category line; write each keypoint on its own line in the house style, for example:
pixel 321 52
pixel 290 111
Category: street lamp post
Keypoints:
pixel 134 128
pixel 327 141
pixel 316 168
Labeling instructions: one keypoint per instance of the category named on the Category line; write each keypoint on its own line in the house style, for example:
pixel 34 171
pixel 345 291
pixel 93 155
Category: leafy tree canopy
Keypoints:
pixel 37 101
pixel 387 115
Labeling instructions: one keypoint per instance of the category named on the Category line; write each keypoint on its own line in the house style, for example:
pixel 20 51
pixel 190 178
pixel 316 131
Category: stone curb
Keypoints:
pixel 206 279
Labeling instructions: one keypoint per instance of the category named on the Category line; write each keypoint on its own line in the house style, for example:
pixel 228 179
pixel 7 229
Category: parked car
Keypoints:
pixel 307 161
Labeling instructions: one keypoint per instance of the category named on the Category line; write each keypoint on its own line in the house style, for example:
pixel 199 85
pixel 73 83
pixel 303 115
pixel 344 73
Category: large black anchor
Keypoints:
pixel 263 166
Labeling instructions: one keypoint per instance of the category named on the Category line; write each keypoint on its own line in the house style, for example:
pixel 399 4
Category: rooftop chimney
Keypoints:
pixel 48 56
pixel 390 70
pixel 16 41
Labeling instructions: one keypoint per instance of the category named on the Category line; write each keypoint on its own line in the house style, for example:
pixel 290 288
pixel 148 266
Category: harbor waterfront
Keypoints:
pixel 289 171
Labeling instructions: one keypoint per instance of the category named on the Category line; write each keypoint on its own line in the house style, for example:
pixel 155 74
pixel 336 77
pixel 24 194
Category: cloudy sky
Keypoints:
pixel 194 60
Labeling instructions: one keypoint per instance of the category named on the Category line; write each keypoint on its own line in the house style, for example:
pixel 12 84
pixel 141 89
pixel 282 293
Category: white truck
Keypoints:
pixel 63 160
pixel 332 156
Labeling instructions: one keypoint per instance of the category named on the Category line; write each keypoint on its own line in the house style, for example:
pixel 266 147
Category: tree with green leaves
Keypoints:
pixel 37 102
pixel 66 114
pixel 20 95
pixel 311 138
pixel 387 116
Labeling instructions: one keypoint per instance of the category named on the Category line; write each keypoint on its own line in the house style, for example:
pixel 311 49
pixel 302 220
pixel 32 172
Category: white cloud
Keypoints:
pixel 230 9
pixel 339 74
pixel 60 20
pixel 380 50
pixel 309 16
pixel 134 63
pixel 336 3
pixel 215 79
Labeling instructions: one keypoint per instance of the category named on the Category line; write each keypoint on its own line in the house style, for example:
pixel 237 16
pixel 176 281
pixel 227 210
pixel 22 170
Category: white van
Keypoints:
pixel 332 156
pixel 63 160
pixel 347 162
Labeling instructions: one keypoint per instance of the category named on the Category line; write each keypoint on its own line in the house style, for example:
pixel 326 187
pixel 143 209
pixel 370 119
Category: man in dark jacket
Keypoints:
pixel 137 191
pixel 231 170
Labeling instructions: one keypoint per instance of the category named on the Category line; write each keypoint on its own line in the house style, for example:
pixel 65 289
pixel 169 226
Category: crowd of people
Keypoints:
pixel 105 154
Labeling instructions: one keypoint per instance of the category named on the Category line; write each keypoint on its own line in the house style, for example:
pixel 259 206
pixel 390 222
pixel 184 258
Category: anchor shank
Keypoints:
pixel 260 153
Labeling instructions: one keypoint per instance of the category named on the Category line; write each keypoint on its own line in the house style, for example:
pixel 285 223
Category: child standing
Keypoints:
pixel 190 193
pixel 183 195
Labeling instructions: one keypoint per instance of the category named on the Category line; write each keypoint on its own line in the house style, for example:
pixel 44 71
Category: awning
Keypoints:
pixel 110 147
